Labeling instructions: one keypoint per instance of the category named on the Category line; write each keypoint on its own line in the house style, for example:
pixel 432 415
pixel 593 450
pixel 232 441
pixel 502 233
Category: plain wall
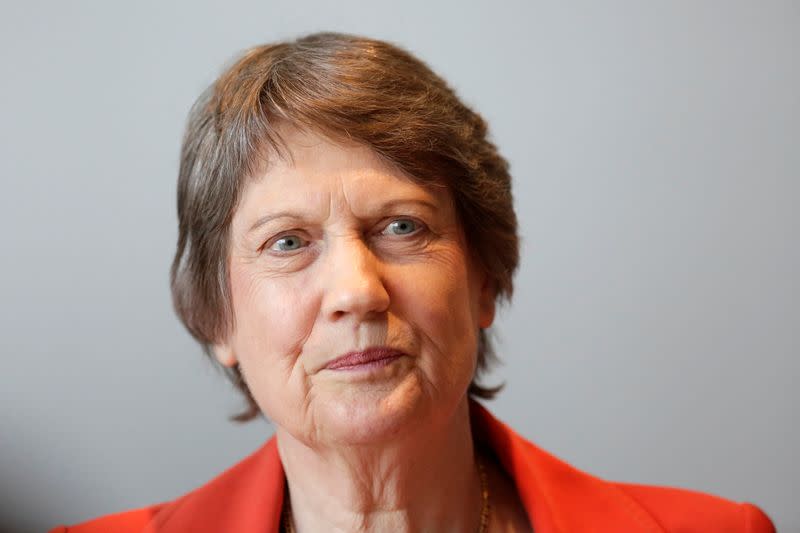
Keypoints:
pixel 654 147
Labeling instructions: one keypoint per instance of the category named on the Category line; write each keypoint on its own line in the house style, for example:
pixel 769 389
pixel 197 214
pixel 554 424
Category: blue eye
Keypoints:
pixel 402 226
pixel 287 243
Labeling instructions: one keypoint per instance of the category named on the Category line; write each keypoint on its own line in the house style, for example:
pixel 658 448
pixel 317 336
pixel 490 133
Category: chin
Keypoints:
pixel 362 416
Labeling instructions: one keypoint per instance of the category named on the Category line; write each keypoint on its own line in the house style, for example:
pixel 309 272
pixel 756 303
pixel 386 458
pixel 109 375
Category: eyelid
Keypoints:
pixel 420 225
pixel 268 246
pixel 303 236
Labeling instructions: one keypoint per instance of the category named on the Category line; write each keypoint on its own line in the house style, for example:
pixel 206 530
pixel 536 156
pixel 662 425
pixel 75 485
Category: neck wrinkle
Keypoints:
pixel 426 481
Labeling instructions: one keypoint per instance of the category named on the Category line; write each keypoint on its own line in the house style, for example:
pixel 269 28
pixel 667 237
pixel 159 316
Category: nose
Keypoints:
pixel 353 282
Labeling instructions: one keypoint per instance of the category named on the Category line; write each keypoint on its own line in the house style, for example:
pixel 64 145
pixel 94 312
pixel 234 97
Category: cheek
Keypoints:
pixel 274 316
pixel 435 299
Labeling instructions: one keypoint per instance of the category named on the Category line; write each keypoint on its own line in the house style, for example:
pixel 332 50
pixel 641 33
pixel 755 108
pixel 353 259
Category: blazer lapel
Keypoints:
pixel 247 498
pixel 558 497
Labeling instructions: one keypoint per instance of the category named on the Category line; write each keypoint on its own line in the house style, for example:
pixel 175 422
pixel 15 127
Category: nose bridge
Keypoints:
pixel 354 284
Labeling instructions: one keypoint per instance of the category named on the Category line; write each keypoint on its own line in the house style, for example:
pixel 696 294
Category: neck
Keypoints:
pixel 423 480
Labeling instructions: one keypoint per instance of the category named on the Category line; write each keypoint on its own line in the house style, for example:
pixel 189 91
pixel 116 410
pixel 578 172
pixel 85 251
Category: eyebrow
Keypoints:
pixel 299 215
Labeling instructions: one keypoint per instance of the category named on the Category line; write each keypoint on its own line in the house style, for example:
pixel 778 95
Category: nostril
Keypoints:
pixel 359 299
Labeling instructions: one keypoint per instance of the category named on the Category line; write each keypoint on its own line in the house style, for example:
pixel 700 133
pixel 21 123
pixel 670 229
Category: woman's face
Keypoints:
pixel 338 252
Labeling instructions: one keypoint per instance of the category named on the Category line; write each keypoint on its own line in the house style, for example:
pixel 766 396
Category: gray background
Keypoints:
pixel 654 334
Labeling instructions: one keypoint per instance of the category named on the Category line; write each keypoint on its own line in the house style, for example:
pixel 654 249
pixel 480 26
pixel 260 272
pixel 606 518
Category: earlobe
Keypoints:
pixel 487 314
pixel 224 354
pixel 487 303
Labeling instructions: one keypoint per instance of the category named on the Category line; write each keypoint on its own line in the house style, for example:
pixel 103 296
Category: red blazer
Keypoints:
pixel 558 498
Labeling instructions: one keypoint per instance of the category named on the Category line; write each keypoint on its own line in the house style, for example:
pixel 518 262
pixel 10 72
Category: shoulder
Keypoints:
pixel 132 521
pixel 560 497
pixel 677 509
pixel 250 492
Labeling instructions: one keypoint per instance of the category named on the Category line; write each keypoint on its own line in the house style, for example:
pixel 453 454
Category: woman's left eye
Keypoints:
pixel 402 226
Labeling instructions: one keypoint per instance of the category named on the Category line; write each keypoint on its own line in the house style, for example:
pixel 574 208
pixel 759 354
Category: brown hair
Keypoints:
pixel 346 87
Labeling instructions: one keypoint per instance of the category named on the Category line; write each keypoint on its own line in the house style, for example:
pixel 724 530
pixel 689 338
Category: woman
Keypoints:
pixel 346 229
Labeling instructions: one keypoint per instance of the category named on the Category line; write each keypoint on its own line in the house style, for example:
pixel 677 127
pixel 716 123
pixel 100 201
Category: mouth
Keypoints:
pixel 371 357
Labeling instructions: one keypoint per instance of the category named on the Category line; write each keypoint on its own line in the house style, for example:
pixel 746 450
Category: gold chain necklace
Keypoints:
pixel 483 527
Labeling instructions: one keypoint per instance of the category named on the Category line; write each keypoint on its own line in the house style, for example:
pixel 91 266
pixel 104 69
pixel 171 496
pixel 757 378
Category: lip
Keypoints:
pixel 382 354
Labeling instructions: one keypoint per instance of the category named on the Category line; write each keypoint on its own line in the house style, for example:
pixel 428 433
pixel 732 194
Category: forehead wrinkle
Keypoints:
pixel 337 199
pixel 364 181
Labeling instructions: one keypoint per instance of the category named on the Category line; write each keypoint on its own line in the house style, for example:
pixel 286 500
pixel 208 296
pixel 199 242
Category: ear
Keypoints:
pixel 224 354
pixel 486 303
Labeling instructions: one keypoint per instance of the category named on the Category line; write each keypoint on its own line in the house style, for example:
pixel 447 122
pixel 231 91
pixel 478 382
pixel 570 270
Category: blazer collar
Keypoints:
pixel 558 498
pixel 247 498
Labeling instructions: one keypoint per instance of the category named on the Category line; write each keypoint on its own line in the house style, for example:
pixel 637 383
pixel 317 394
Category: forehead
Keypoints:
pixel 317 173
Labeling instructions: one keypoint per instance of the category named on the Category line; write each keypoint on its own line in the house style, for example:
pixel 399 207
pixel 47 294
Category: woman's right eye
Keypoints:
pixel 288 243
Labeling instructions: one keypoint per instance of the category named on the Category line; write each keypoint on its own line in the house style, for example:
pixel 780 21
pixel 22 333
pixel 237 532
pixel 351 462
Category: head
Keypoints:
pixel 338 129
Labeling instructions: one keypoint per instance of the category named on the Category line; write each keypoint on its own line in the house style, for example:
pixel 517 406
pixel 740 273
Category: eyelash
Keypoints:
pixel 420 227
